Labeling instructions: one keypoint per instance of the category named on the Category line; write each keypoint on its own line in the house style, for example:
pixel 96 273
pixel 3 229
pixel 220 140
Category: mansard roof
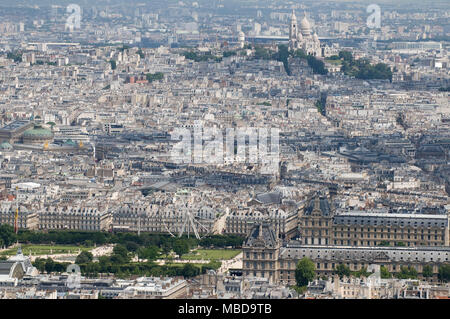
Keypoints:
pixel 262 235
pixel 323 205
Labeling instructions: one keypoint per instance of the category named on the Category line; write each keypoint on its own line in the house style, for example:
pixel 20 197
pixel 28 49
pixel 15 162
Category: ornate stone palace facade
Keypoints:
pixel 264 256
pixel 322 224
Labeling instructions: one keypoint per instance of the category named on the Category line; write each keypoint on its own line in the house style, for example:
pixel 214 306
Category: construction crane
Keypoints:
pixel 16 216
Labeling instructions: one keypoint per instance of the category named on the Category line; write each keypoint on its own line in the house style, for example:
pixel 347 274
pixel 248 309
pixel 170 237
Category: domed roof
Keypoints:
pixel 5 146
pixel 38 131
pixel 305 26
pixel 315 37
pixel 69 142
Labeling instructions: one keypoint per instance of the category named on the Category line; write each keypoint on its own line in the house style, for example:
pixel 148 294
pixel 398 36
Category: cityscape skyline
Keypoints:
pixel 224 150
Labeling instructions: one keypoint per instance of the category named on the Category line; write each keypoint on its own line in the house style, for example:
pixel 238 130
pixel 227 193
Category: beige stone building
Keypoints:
pixel 321 224
pixel 161 218
pixel 261 253
pixel 264 256
pixel 88 218
pixel 241 220
pixel 27 217
pixel 374 287
pixel 327 258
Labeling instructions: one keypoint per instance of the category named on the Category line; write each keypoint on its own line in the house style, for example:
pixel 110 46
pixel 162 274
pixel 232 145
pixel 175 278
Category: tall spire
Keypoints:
pixel 293 31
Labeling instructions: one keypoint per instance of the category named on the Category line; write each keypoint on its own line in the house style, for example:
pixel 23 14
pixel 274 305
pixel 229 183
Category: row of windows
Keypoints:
pixel 401 224
pixel 255 255
pixel 324 254
pixel 96 227
pixel 313 223
pixel 352 266
pixel 315 231
pixel 261 274
pixel 348 235
pixel 70 221
pixel 259 265
pixel 376 243
pixel 385 230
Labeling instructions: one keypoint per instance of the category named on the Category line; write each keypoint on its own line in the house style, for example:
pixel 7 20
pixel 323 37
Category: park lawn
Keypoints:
pixel 37 250
pixel 211 254
pixel 336 62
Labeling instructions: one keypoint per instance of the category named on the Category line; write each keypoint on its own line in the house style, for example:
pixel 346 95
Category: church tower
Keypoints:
pixel 293 32
pixel 301 36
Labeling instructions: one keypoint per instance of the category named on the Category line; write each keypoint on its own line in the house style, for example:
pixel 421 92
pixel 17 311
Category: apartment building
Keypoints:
pixel 88 218
pixel 170 218
pixel 27 217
